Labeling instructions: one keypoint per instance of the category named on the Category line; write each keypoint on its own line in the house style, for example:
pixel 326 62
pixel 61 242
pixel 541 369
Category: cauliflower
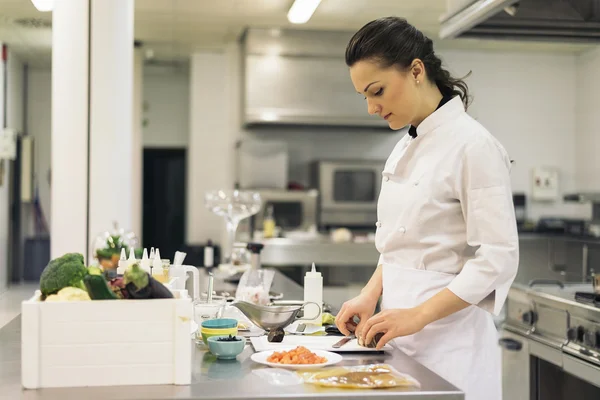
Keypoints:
pixel 69 294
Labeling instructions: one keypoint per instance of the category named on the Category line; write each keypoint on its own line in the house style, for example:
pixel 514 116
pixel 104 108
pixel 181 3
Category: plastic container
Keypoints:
pixel 313 292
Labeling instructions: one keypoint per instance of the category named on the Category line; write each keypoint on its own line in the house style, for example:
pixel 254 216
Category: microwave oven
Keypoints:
pixel 348 191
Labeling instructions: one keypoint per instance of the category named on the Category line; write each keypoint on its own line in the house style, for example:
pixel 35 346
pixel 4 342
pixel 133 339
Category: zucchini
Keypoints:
pixel 98 288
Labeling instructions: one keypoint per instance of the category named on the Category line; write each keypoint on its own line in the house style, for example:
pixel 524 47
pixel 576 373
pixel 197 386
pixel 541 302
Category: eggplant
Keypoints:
pixel 139 284
pixel 276 335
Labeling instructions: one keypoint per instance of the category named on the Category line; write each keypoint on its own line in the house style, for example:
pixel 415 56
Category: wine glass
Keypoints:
pixel 233 206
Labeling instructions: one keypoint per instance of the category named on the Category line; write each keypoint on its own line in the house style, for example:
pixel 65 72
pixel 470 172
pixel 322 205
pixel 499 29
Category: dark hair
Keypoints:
pixel 393 41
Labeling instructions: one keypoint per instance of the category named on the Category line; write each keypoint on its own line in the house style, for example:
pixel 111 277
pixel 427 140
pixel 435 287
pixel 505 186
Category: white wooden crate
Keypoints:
pixel 105 342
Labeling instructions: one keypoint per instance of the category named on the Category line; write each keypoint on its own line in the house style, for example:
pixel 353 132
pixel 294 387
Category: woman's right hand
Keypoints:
pixel 362 306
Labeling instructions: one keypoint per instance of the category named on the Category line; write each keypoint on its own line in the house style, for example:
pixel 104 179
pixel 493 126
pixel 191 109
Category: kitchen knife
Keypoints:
pixel 343 341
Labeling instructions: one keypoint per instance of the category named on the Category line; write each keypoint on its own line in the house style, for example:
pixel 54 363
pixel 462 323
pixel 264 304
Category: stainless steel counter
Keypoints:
pixel 287 252
pixel 323 252
pixel 215 379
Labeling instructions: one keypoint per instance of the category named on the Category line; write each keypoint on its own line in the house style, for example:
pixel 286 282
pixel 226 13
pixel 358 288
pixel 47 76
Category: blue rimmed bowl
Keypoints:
pixel 226 350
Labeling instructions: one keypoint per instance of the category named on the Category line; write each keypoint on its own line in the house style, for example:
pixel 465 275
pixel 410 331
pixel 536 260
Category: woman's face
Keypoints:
pixel 390 93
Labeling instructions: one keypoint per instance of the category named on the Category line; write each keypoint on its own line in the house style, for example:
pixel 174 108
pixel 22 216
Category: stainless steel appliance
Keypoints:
pixel 538 20
pixel 349 190
pixel 279 91
pixel 292 209
pixel 551 342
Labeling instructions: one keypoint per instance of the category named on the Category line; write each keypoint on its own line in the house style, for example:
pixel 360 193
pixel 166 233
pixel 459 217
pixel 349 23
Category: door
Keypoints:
pixel 515 367
pixel 164 200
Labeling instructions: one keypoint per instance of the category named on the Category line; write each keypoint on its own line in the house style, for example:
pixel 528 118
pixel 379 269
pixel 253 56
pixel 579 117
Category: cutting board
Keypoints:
pixel 261 343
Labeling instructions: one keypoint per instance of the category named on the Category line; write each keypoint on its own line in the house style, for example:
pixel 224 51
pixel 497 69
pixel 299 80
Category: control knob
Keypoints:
pixel 529 317
pixel 580 333
pixel 572 334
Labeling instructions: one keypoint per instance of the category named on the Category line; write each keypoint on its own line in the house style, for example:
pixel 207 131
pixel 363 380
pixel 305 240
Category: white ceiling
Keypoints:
pixel 175 28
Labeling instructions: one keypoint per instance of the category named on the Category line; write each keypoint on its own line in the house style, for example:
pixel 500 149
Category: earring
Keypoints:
pixel 417 82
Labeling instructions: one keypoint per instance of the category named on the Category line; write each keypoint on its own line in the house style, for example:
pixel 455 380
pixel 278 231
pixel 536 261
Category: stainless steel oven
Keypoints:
pixel 551 343
pixel 293 210
pixel 349 190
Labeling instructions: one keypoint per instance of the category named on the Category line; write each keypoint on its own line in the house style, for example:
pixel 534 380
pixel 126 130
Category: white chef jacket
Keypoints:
pixel 455 212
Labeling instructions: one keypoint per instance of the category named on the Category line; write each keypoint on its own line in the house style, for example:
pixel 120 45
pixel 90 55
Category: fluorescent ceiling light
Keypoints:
pixel 301 11
pixel 43 5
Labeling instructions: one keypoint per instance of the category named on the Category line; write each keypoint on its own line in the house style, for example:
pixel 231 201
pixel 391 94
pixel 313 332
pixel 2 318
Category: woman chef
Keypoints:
pixel 446 227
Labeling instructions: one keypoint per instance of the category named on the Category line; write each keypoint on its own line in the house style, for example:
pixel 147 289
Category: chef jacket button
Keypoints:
pixel 387 178
pixel 378 224
pixel 417 183
pixel 402 229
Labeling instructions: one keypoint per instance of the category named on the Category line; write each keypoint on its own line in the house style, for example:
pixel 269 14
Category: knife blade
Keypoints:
pixel 343 341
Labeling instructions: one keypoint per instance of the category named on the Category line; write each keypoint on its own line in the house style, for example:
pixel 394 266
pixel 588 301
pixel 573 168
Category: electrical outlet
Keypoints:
pixel 545 184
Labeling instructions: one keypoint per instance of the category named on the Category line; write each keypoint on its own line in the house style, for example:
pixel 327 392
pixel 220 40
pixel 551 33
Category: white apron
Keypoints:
pixel 461 348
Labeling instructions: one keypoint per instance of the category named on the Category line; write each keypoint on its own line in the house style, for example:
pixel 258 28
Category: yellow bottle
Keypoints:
pixel 269 223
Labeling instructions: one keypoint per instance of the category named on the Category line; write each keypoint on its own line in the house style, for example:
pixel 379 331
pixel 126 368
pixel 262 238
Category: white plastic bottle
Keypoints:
pixel 313 291
pixel 209 254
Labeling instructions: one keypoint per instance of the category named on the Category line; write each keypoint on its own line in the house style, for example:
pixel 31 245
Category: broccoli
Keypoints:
pixel 65 271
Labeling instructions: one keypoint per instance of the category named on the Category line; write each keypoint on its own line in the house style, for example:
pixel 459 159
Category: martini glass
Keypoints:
pixel 233 206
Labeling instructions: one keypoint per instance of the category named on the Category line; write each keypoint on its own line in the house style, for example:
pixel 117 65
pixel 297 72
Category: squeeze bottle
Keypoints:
pixel 313 291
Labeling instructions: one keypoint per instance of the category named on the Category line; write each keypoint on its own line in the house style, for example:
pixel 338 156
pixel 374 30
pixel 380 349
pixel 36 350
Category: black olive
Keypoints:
pixel 228 339
pixel 276 335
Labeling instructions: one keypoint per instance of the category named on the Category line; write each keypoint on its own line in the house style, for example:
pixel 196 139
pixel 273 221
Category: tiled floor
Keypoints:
pixel 10 301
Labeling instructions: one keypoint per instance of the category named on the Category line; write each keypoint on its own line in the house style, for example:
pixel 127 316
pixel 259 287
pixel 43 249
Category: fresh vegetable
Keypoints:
pixel 373 342
pixel 69 294
pixel 327 319
pixel 62 272
pixel 276 335
pixel 117 285
pixel 98 288
pixel 140 285
pixel 93 270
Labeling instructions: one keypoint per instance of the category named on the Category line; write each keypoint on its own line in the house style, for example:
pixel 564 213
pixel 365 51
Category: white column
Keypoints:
pixel 211 143
pixel 70 130
pixel 92 107
pixel 138 148
pixel 4 197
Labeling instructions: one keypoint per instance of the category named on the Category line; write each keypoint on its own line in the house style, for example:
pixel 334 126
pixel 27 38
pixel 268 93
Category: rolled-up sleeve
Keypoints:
pixel 484 191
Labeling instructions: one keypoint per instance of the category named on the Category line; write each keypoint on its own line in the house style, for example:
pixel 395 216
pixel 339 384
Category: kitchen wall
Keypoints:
pixel 14 119
pixel 531 102
pixel 588 121
pixel 526 100
pixel 166 106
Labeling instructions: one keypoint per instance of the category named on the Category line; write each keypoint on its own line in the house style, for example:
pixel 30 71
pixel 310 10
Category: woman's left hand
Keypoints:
pixel 392 323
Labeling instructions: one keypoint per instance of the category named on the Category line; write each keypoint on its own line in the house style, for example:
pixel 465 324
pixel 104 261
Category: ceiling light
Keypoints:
pixel 301 11
pixel 43 5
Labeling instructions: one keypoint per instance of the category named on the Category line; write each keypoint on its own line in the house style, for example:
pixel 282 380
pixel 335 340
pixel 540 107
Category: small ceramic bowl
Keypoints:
pixel 226 350
pixel 220 323
pixel 208 333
